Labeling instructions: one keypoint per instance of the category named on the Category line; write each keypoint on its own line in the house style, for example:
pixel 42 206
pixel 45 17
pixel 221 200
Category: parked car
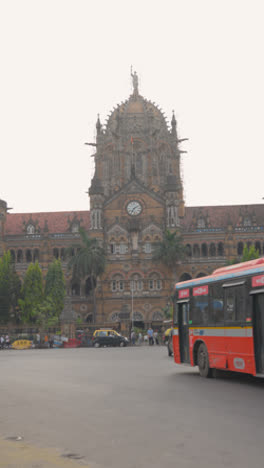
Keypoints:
pixel 107 337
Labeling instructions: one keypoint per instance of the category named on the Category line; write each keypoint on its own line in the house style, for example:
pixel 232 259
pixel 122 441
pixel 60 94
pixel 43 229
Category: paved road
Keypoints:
pixel 128 408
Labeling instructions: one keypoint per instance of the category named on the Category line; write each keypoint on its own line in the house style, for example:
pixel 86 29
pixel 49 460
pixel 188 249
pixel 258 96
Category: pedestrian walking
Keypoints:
pixel 51 341
pixel 150 336
pixel 2 342
pixel 156 337
pixel 7 341
pixel 140 338
pixel 38 340
pixel 133 337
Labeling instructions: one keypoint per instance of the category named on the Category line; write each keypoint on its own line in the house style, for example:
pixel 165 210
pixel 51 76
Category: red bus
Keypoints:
pixel 219 320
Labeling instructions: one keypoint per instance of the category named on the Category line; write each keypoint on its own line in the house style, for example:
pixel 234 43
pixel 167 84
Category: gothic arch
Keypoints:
pixel 212 250
pixel 28 256
pixel 188 250
pixel 196 251
pixel 185 277
pixel 157 316
pixel 201 275
pixel 20 256
pixel 240 248
pixel 220 249
pixel 114 317
pixel 204 250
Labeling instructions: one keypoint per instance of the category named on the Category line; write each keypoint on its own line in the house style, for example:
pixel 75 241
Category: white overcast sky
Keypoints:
pixel 62 62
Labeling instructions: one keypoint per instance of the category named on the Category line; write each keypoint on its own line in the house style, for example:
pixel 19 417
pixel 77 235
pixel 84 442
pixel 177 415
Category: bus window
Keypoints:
pixel 200 310
pixel 216 304
pixel 235 304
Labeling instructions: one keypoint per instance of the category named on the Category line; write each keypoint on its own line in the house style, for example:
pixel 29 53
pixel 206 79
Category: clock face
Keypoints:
pixel 134 208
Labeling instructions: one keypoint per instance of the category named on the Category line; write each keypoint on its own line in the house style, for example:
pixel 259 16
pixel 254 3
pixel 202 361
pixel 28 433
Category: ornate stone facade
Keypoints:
pixel 136 193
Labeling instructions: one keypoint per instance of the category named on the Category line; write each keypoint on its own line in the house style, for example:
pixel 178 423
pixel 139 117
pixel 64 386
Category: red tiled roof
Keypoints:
pixel 57 222
pixel 222 216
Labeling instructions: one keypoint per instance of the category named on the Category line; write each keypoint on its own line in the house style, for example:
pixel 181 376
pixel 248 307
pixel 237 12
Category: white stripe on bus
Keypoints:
pixel 228 332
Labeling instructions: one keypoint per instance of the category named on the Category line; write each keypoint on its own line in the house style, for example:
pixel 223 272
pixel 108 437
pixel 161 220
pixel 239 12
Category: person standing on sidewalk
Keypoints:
pixel 150 336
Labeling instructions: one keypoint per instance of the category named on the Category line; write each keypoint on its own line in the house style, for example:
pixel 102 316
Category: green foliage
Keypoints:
pixel 250 253
pixel 32 293
pixel 9 287
pixel 44 314
pixel 55 286
pixel 79 321
pixel 170 250
pixel 88 262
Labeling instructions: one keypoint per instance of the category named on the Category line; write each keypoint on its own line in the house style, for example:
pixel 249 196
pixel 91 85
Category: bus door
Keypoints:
pixel 258 324
pixel 183 320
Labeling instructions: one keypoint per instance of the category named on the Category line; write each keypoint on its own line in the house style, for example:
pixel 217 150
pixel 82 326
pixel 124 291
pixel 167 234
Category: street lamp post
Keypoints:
pixel 132 305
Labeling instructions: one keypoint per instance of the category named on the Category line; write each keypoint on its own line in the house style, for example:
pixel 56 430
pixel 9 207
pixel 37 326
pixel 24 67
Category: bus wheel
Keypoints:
pixel 203 361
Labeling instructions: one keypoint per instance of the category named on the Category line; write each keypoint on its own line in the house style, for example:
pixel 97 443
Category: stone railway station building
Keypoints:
pixel 136 193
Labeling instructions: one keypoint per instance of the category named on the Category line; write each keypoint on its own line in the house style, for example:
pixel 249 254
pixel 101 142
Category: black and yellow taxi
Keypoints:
pixel 108 337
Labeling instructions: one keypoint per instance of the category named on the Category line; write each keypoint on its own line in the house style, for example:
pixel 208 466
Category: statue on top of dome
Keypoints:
pixel 134 81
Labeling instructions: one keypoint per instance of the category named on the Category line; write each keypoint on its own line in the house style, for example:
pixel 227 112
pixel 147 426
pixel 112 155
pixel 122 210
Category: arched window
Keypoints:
pixel 62 254
pixel 155 283
pixel 200 275
pixel 28 256
pixel 20 256
pixel 157 316
pixel 36 255
pixel 204 250
pixel 75 289
pixel 117 283
pixel 136 283
pixel 115 317
pixel 212 250
pixel 148 247
pixel 13 255
pixel 240 248
pixel 89 318
pixel 188 250
pixel 185 277
pixel 220 249
pixel 56 253
pixel 196 250
pixel 258 246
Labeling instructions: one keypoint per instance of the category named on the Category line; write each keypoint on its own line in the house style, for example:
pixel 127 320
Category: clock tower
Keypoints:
pixel 135 195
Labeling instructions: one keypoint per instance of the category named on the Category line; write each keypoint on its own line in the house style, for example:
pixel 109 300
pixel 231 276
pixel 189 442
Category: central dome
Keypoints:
pixel 137 115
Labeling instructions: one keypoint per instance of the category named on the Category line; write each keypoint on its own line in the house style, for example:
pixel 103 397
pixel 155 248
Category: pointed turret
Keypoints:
pixel 173 125
pixel 98 125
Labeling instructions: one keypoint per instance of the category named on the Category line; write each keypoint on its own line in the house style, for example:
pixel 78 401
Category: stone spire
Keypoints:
pixel 98 124
pixel 173 124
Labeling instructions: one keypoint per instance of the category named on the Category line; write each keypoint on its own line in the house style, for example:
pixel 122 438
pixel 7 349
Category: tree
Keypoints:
pixel 170 250
pixel 89 261
pixel 10 286
pixel 250 253
pixel 32 293
pixel 55 287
